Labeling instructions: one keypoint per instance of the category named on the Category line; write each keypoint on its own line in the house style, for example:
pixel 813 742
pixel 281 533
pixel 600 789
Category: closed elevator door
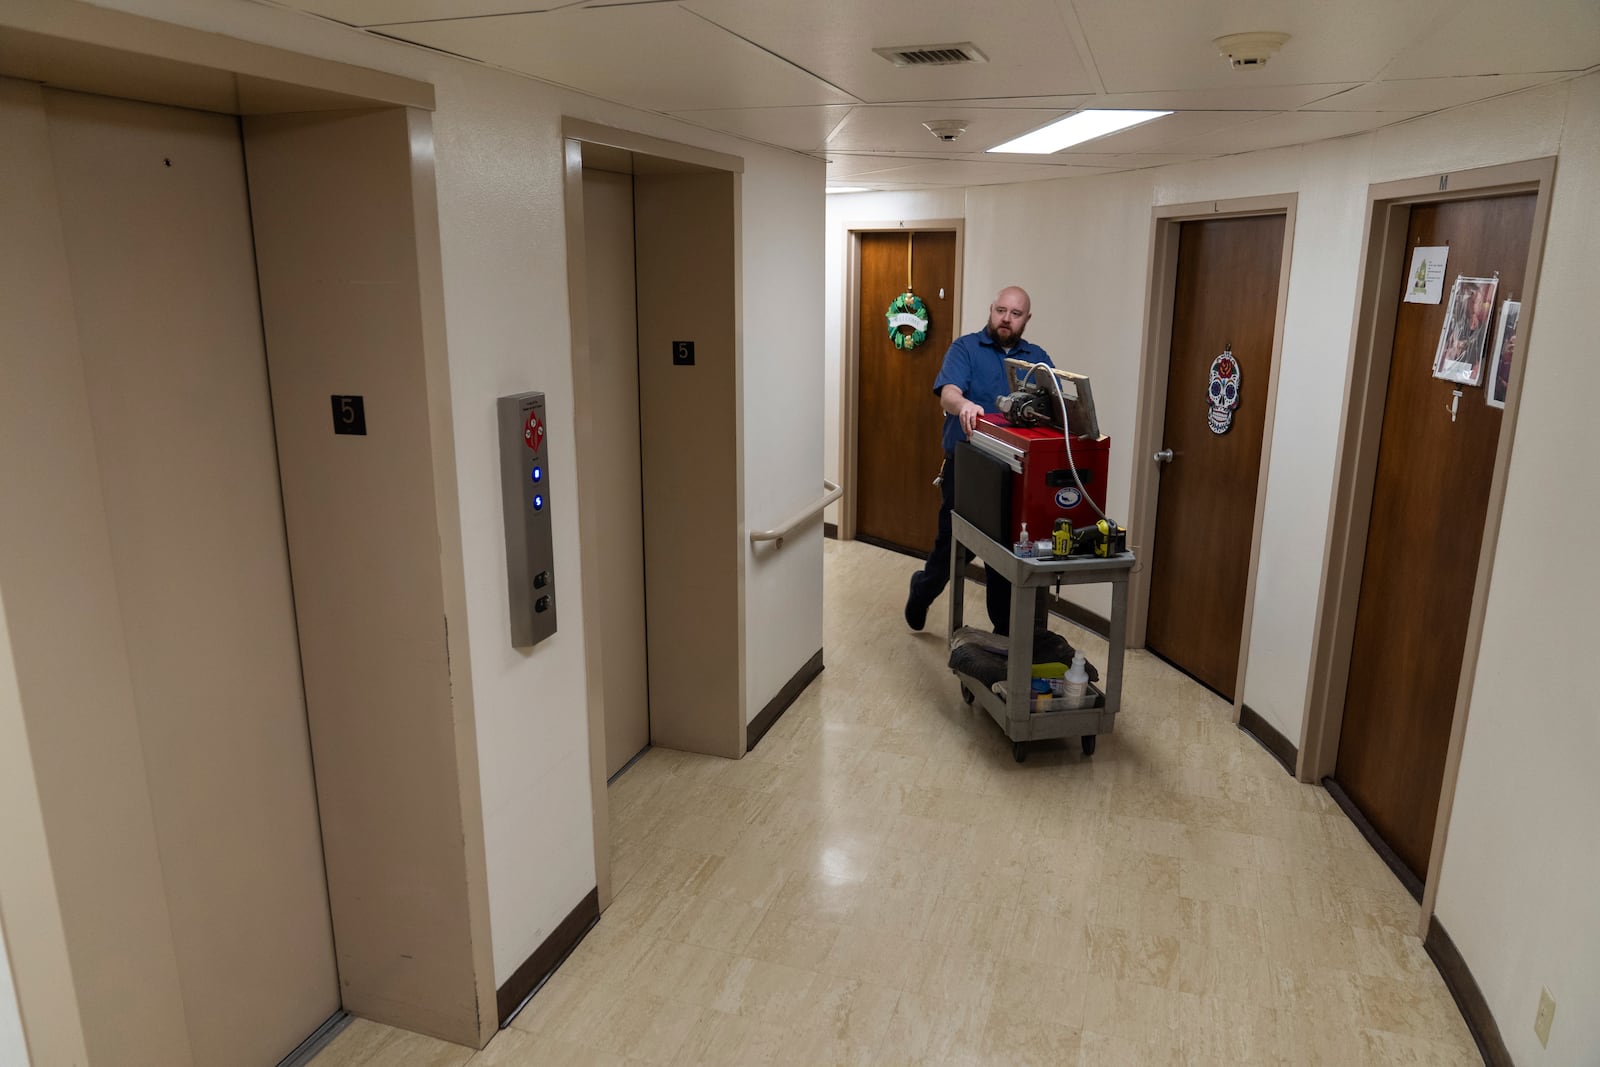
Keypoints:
pixel 155 218
pixel 615 475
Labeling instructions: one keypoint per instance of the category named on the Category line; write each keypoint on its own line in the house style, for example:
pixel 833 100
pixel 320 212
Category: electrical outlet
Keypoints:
pixel 1547 1014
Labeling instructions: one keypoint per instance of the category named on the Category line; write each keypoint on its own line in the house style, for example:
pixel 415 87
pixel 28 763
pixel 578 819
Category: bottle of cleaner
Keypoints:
pixel 1024 545
pixel 1075 693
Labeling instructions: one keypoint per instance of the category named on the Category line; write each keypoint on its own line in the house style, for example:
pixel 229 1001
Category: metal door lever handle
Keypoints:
pixel 1164 456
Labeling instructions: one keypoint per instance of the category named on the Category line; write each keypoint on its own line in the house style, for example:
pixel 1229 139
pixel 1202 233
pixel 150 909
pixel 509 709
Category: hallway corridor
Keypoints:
pixel 879 883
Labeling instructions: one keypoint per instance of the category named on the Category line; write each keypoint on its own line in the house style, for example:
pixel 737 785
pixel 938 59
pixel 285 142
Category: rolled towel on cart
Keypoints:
pixel 982 654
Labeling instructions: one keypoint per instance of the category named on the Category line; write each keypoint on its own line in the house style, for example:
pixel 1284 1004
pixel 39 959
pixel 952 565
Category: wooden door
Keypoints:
pixel 899 420
pixel 1429 501
pixel 613 472
pixel 1226 294
pixel 156 224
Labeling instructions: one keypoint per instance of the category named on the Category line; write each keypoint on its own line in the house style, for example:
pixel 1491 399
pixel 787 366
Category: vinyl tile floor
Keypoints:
pixel 880 883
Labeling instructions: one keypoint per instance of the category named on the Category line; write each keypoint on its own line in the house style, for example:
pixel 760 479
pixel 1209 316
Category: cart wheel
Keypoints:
pixel 1087 740
pixel 966 694
pixel 1019 751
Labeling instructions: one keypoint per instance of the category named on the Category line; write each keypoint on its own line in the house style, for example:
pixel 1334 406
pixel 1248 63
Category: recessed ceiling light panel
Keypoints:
pixel 1076 129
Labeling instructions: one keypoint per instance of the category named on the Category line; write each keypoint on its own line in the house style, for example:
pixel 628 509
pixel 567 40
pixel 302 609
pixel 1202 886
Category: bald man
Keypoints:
pixel 971 379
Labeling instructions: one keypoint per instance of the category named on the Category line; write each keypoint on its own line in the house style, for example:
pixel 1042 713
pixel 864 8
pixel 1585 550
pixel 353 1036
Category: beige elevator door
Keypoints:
pixel 156 223
pixel 615 477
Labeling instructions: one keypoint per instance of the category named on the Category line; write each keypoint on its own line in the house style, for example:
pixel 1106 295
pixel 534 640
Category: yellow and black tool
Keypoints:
pixel 1061 547
pixel 1104 539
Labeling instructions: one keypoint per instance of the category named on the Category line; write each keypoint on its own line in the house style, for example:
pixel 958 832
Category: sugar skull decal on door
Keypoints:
pixel 1223 391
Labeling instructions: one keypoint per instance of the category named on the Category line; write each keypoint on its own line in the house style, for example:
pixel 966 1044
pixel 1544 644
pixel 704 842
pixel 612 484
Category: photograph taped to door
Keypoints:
pixel 1505 350
pixel 1465 333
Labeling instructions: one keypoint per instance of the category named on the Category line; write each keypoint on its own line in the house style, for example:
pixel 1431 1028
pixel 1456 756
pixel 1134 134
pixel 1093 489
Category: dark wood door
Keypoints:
pixel 1226 295
pixel 1429 501
pixel 899 420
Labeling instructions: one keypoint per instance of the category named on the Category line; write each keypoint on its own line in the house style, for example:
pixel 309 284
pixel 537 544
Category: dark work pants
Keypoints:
pixel 929 582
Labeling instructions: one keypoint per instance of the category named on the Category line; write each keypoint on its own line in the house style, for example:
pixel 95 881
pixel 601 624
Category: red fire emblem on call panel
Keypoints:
pixel 533 432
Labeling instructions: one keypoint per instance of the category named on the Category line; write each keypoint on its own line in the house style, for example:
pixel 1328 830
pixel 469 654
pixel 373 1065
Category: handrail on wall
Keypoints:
pixel 830 494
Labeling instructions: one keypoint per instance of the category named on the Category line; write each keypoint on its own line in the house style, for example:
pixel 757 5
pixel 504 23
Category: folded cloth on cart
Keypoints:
pixel 1048 647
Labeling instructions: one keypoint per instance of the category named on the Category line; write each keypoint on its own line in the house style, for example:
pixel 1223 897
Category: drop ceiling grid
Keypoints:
pixel 1428 94
pixel 1155 44
pixel 382 12
pixel 803 129
pixel 1029 48
pixel 1504 37
pixel 900 129
pixel 657 57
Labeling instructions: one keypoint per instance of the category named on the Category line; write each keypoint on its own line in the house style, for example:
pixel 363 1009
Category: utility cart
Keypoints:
pixel 1013 708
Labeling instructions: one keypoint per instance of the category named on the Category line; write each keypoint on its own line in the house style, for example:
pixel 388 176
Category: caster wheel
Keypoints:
pixel 1019 751
pixel 1087 740
pixel 966 694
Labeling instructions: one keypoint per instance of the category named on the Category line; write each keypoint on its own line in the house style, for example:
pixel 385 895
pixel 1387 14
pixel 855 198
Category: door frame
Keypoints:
pixel 1150 421
pixel 850 345
pixel 1383 265
pixel 576 133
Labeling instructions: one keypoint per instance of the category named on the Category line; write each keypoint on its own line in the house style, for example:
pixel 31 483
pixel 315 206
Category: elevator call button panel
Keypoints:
pixel 525 484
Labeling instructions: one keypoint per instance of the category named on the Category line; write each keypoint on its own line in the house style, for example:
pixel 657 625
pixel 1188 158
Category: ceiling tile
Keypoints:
pixel 1495 37
pixel 658 57
pixel 1243 97
pixel 389 12
pixel 1144 45
pixel 1294 127
pixel 804 129
pixel 1027 42
pixel 900 129
pixel 1428 94
pixel 963 172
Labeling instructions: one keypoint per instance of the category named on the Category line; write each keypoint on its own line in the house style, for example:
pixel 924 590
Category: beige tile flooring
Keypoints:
pixel 879 883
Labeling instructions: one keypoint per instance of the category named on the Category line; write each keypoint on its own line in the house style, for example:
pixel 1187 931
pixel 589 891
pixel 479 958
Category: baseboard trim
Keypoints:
pixel 538 967
pixel 1412 883
pixel 830 529
pixel 889 546
pixel 758 726
pixel 1079 615
pixel 1468 997
pixel 1267 736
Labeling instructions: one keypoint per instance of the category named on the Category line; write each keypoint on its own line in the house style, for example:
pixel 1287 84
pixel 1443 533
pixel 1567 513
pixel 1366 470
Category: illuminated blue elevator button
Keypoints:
pixel 538 502
pixel 538 474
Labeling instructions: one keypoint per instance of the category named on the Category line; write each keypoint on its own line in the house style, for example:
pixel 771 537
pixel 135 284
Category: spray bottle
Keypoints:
pixel 1076 691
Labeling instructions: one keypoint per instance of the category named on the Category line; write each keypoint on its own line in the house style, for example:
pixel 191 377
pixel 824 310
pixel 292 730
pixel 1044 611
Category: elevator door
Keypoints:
pixel 614 477
pixel 156 223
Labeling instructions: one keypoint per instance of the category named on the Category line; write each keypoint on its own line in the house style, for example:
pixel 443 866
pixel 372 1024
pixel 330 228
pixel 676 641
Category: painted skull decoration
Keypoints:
pixel 1223 392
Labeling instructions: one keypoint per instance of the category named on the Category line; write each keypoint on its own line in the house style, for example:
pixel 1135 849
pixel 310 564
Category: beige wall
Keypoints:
pixel 337 242
pixel 1516 884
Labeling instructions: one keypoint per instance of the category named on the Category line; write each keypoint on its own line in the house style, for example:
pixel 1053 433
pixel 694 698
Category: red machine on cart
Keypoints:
pixel 1043 486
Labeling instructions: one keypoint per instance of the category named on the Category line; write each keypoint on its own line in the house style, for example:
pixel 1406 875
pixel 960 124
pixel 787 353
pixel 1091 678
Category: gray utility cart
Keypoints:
pixel 1012 708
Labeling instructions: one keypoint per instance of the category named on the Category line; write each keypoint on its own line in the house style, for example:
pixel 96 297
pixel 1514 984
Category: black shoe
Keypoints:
pixel 916 614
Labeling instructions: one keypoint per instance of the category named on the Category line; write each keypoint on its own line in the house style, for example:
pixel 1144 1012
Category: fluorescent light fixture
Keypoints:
pixel 1076 129
pixel 847 189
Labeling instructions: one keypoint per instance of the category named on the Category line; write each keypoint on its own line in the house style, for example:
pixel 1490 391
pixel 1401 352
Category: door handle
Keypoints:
pixel 1164 456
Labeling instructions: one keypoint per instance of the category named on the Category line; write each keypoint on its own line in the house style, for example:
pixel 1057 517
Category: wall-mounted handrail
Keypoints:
pixel 830 494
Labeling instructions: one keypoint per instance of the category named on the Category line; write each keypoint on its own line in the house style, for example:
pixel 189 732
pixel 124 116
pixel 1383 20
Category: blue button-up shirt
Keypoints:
pixel 976 365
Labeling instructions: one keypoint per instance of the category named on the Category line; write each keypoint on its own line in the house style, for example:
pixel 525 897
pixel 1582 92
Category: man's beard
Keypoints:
pixel 1013 336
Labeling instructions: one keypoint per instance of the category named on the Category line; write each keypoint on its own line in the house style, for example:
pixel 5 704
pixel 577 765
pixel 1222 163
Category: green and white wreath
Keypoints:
pixel 907 309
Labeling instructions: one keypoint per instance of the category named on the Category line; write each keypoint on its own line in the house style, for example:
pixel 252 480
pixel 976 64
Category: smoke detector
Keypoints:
pixel 1248 51
pixel 946 130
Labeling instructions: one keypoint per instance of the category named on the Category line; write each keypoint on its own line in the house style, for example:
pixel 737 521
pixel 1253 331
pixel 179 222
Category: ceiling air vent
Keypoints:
pixel 932 55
